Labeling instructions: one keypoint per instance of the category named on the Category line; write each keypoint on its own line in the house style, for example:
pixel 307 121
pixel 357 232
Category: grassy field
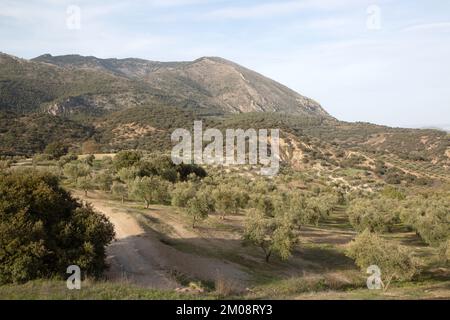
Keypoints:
pixel 90 290
pixel 295 288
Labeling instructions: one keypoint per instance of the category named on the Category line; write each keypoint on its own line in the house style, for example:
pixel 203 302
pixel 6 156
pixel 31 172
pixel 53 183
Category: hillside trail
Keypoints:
pixel 138 256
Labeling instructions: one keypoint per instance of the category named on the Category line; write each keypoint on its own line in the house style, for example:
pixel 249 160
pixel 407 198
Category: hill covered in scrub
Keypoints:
pixel 118 104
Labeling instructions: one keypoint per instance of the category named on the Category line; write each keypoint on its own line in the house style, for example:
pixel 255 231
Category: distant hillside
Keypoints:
pixel 211 82
pixel 135 104
pixel 27 86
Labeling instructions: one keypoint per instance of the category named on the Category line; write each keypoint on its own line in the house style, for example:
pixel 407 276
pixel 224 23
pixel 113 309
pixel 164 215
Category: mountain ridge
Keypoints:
pixel 211 81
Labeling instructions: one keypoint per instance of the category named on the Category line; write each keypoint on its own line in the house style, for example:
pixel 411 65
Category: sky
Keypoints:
pixel 380 61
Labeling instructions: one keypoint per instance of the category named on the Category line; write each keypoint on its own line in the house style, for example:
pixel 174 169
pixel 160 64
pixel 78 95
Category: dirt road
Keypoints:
pixel 139 257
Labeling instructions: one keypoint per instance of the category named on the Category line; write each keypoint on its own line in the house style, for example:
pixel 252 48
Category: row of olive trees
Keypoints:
pixel 428 216
pixel 273 217
pixel 273 223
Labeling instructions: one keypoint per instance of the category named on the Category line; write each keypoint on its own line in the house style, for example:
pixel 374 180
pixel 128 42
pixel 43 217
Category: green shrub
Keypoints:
pixel 125 159
pixel 43 229
pixel 56 150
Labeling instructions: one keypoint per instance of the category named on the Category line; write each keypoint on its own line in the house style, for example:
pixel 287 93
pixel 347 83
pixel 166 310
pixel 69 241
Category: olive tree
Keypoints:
pixel 128 174
pixel 377 215
pixel 103 180
pixel 85 183
pixel 56 150
pixel 273 234
pixel 150 190
pixel 125 159
pixel 119 190
pixel 182 193
pixel 430 218
pixel 198 208
pixel 395 261
pixel 74 171
pixel 228 199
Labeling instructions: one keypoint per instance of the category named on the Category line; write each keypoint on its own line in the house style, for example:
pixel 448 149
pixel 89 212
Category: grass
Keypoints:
pixel 329 286
pixel 90 290
pixel 291 287
pixel 429 290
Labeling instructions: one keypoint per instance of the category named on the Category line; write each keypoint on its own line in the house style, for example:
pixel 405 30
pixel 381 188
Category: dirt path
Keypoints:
pixel 132 256
pixel 141 258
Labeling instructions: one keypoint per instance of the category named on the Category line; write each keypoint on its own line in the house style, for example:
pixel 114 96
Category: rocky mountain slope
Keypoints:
pixel 209 81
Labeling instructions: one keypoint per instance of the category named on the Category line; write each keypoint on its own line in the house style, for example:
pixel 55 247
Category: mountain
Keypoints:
pixel 211 82
pixel 29 86
pixel 117 104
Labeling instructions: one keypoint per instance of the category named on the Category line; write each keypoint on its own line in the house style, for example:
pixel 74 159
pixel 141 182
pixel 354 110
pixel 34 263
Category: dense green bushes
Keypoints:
pixel 43 229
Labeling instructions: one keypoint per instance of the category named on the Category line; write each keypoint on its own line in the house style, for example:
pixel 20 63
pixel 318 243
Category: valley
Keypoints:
pixel 87 178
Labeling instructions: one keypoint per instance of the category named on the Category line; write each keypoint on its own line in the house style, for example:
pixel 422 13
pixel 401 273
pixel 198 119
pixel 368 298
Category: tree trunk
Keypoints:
pixel 267 253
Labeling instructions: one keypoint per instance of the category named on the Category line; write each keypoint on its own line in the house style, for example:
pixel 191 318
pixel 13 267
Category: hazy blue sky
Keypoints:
pixel 383 61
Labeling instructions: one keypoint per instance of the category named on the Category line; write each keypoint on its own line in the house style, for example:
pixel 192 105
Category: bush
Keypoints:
pixel 5 164
pixel 393 193
pixel 377 215
pixel 125 159
pixel 394 261
pixel 43 229
pixel 56 150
